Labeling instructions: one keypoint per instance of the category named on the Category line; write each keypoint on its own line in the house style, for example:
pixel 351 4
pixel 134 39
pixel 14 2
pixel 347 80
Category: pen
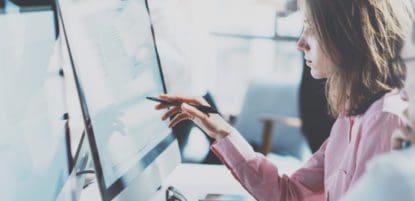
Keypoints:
pixel 202 108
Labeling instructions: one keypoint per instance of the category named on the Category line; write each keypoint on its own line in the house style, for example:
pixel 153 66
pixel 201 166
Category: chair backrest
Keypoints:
pixel 272 98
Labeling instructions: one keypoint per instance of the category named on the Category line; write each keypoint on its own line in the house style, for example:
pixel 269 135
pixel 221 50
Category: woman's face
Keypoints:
pixel 314 55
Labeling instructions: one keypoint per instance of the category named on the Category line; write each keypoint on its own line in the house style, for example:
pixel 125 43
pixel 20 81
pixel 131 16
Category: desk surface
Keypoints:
pixel 192 180
pixel 195 181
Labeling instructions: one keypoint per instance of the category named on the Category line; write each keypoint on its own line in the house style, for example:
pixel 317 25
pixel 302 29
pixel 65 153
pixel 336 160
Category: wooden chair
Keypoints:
pixel 269 122
pixel 269 119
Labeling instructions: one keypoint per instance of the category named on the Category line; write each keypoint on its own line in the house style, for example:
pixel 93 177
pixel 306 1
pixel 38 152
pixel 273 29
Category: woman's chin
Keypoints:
pixel 317 75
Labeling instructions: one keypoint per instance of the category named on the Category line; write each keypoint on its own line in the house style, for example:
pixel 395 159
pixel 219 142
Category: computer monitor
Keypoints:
pixel 35 160
pixel 33 146
pixel 33 151
pixel 116 65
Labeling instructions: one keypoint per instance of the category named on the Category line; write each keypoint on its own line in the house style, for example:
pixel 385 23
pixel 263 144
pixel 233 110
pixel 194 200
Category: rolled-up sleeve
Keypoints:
pixel 260 177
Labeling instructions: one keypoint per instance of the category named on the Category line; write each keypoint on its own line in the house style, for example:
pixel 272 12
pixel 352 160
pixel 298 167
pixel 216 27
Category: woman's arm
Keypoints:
pixel 258 175
pixel 261 177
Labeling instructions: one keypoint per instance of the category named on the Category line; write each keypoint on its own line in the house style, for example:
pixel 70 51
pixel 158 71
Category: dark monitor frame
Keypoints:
pixel 109 193
pixel 72 189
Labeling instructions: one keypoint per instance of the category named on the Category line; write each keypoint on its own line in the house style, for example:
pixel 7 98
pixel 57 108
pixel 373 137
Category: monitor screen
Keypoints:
pixel 116 64
pixel 33 149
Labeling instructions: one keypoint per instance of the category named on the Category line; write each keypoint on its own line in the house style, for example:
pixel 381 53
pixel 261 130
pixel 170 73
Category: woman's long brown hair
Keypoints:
pixel 363 38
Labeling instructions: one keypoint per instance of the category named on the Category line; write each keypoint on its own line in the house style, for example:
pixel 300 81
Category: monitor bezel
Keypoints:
pixel 111 192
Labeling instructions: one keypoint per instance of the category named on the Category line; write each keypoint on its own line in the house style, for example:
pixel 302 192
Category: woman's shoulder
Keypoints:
pixel 391 104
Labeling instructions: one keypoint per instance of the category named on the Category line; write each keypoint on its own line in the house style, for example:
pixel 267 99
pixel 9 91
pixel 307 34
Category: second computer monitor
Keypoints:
pixel 116 64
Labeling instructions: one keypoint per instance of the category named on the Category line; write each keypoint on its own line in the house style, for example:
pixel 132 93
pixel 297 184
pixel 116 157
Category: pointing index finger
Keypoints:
pixel 179 98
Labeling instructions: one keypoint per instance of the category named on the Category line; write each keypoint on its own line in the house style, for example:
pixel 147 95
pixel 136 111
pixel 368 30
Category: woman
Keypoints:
pixel 392 176
pixel 352 44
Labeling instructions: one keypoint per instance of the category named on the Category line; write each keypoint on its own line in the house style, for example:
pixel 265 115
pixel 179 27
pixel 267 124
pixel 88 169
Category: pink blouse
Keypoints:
pixel 330 172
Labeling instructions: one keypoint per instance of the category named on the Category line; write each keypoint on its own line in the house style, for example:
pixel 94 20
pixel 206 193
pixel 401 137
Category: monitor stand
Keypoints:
pixel 150 180
pixel 75 183
pixel 147 183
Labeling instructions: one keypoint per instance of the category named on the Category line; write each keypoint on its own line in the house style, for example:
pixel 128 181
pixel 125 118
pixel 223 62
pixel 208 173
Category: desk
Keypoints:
pixel 193 180
pixel 196 180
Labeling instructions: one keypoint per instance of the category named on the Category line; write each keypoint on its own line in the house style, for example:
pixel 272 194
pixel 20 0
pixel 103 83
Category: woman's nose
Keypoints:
pixel 302 44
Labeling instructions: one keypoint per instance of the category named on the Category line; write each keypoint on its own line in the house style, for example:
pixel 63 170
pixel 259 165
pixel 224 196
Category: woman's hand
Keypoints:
pixel 213 124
